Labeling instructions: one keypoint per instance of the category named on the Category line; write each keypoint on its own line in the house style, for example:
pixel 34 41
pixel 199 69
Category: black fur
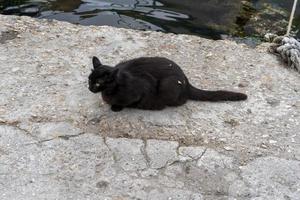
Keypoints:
pixel 150 83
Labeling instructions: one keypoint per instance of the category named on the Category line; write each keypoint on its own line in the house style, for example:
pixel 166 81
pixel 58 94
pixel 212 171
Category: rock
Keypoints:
pixel 273 102
pixel 272 141
pixel 25 9
pixel 243 84
pixel 30 10
pixel 227 148
pixel 269 19
pixel 15 69
pixel 225 13
pixel 6 36
pixel 102 184
pixel 232 122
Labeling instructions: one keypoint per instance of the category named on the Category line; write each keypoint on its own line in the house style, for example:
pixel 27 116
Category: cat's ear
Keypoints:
pixel 96 62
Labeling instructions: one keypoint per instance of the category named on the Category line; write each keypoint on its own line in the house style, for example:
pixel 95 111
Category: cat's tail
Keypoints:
pixel 219 95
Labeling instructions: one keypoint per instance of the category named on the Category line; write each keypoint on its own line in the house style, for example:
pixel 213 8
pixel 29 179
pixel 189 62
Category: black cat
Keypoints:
pixel 150 83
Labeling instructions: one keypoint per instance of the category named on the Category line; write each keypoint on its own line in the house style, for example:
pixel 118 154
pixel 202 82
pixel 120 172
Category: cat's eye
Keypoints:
pixel 97 84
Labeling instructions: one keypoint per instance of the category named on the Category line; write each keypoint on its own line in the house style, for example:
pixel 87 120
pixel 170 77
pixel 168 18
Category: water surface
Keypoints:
pixel 208 18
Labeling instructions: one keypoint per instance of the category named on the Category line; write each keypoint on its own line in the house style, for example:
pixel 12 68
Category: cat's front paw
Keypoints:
pixel 116 108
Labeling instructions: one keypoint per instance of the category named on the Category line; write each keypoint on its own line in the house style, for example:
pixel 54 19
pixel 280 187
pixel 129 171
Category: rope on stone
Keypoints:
pixel 287 47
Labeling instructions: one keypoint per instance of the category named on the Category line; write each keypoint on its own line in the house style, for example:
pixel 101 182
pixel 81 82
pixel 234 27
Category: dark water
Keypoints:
pixel 208 18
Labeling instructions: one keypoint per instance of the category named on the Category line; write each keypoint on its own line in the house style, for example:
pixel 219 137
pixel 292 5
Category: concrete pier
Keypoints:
pixel 60 141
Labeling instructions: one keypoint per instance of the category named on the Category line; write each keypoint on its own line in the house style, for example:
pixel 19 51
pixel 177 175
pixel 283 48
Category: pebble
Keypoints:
pixel 15 69
pixel 272 141
pixel 293 140
pixel 297 104
pixel 209 55
pixel 227 148
pixel 272 101
pixel 265 135
pixel 243 84
pixel 264 146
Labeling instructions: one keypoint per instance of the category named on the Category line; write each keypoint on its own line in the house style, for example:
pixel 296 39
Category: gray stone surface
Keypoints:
pixel 272 178
pixel 128 153
pixel 59 141
pixel 190 153
pixel 161 153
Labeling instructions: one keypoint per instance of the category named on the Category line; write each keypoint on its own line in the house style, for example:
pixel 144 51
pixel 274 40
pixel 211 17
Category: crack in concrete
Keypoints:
pixel 113 153
pixel 64 137
pixel 168 163
pixel 191 157
pixel 201 154
pixel 15 124
pixel 7 123
pixel 67 137
pixel 163 168
pixel 145 154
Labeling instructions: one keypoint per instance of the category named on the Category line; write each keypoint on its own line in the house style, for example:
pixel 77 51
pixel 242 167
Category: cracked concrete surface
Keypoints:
pixel 59 141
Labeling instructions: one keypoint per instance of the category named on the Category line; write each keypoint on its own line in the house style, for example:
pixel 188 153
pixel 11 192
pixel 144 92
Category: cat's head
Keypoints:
pixel 101 76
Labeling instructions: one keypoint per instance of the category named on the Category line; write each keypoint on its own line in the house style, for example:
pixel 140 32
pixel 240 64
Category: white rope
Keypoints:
pixel 291 18
pixel 287 47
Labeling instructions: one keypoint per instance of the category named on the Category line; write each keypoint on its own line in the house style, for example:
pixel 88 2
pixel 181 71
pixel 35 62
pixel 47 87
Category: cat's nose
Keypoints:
pixel 94 91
